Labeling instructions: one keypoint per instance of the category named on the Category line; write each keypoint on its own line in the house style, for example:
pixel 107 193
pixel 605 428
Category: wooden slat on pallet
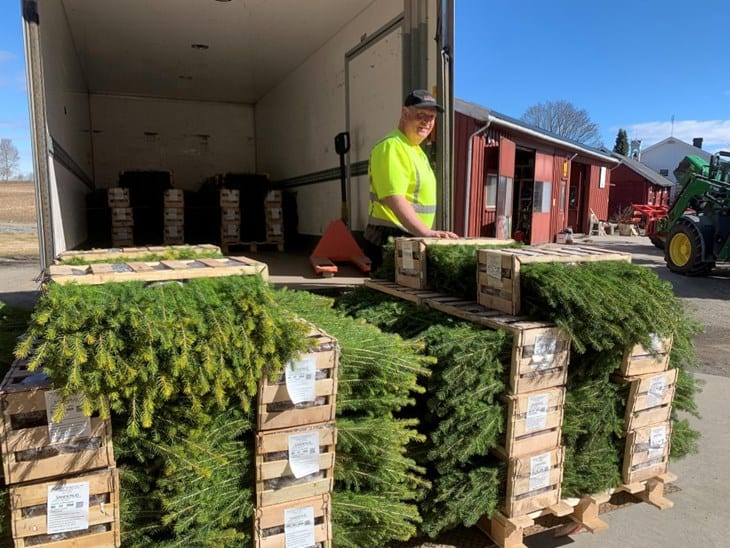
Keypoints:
pixel 99 273
pixel 132 252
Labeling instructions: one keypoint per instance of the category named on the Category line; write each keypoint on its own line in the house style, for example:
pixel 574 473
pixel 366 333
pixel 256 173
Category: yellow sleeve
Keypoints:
pixel 390 169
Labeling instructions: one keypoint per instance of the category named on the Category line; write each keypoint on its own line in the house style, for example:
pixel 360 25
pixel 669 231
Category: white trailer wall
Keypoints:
pixel 193 139
pixel 296 122
pixel 67 111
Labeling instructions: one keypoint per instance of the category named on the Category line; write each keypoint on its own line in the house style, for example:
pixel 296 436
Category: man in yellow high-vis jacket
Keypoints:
pixel 402 183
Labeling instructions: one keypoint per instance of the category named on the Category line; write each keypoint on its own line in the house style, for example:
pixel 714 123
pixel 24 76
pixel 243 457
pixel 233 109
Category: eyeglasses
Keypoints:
pixel 427 117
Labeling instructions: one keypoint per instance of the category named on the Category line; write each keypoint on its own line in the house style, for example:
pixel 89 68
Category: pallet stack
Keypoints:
pixel 62 476
pixel 122 217
pixel 274 214
pixel 295 449
pixel 648 420
pixel 173 217
pixel 230 217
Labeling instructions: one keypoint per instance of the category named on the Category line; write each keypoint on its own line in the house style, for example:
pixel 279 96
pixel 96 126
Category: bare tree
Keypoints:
pixel 565 120
pixel 9 159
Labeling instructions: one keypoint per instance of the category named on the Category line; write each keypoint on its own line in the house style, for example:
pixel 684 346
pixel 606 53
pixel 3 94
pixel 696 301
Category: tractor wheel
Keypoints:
pixel 657 241
pixel 683 251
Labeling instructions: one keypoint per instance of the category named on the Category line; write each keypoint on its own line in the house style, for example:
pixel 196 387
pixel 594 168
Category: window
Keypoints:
pixel 541 197
pixel 490 191
pixel 664 172
pixel 562 197
pixel 602 178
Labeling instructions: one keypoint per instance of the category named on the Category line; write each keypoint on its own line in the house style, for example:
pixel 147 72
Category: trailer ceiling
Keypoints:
pixel 213 50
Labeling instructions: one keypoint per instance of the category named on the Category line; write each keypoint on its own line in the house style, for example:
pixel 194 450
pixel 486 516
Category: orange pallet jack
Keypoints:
pixel 337 244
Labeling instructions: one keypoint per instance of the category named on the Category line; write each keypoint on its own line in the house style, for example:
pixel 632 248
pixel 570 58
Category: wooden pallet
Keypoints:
pixel 33 447
pixel 277 408
pixel 100 273
pixel 498 276
pixel 314 514
pixel 132 252
pixel 275 480
pixel 540 350
pixel 30 523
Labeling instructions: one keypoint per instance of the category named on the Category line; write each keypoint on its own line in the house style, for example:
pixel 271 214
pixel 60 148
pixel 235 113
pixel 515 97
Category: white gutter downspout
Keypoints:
pixel 467 194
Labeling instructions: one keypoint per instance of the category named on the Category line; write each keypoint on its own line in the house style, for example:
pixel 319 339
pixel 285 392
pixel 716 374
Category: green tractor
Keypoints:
pixel 697 225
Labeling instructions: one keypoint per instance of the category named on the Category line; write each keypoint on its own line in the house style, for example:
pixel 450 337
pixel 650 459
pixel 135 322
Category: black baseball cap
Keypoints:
pixel 420 98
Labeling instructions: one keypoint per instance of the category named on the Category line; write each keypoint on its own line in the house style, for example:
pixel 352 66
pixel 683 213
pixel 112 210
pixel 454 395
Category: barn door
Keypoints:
pixel 505 187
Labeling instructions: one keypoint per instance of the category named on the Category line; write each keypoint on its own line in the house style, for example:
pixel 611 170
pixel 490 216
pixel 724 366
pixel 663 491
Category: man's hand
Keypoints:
pixel 442 234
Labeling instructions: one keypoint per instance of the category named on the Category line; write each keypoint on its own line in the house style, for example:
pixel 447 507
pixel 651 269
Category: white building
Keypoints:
pixel 664 156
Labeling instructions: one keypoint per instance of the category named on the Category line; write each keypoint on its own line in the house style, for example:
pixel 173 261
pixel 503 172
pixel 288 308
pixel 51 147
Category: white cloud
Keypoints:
pixel 715 133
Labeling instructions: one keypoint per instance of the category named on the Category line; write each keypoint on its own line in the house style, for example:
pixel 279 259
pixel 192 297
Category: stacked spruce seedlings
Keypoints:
pixel 177 368
pixel 608 308
pixel 377 481
pixel 461 413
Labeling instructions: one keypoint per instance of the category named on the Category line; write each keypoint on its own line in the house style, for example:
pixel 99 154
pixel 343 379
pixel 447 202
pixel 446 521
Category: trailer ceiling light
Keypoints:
pixel 199 46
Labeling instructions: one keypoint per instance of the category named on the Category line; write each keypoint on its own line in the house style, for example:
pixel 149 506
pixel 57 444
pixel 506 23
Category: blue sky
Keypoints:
pixel 631 65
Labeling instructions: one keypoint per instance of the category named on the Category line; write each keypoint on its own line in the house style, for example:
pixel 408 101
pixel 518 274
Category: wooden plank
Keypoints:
pixel 165 270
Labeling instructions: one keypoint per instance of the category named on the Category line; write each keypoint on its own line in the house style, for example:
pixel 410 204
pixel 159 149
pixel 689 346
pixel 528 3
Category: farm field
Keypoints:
pixel 18 231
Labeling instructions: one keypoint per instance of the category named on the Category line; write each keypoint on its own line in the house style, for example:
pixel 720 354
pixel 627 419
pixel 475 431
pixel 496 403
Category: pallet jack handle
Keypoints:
pixel 342 147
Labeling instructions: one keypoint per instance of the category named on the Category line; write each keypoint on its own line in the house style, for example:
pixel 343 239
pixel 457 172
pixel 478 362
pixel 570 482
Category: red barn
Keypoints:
pixel 635 183
pixel 514 180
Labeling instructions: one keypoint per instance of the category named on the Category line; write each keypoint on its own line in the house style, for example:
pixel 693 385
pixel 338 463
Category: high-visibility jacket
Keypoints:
pixel 399 168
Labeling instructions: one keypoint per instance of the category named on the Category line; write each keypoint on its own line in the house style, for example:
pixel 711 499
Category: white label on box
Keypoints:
pixel 67 508
pixel 173 231
pixel 657 387
pixel 543 353
pixel 304 454
pixel 657 345
pixel 299 527
pixel 537 411
pixel 494 270
pixel 657 441
pixel 276 229
pixel 74 423
pixel 275 212
pixel 300 377
pixel 539 472
pixel 407 248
